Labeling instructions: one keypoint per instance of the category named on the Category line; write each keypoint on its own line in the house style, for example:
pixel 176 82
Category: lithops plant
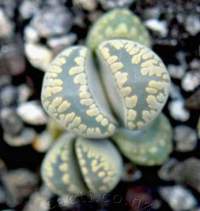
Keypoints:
pixel 117 24
pixel 150 146
pixel 81 166
pixel 128 88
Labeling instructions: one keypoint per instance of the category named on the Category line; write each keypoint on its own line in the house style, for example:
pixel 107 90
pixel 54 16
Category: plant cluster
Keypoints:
pixel 110 91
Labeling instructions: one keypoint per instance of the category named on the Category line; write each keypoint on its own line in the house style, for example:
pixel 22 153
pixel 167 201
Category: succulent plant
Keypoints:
pixel 150 146
pixel 129 81
pixel 118 24
pixel 81 166
pixel 120 92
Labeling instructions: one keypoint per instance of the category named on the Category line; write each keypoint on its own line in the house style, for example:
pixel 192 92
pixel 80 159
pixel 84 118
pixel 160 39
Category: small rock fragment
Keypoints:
pixel 26 137
pixel 59 43
pixel 31 34
pixel 157 26
pixel 18 184
pixel 32 113
pixel 177 110
pixel 192 24
pixel 185 138
pixel 108 4
pixel 38 55
pixel 47 25
pixel 176 71
pixel 24 92
pixel 10 121
pixel 43 142
pixel 11 57
pixel 8 96
pixel 28 8
pixel 6 27
pixel 88 5
pixel 186 172
pixel 39 200
pixel 175 92
pixel 193 102
pixel 178 197
pixel 191 80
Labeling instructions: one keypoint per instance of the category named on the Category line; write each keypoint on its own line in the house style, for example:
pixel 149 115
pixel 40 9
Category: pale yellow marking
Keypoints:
pixel 149 63
pixel 131 125
pixel 116 44
pixel 92 112
pixel 83 88
pixel 63 156
pixel 57 89
pixel 102 174
pixel 125 91
pixel 80 79
pixel 152 70
pixel 97 131
pixel 65 179
pixel 131 101
pixel 146 115
pixel 121 29
pixel 75 70
pixel 105 52
pixel 152 102
pixel 136 59
pixel 55 69
pixel 56 101
pixel 84 95
pixel 58 82
pixel 64 106
pixel 75 122
pixel 116 66
pixel 51 75
pixel 61 60
pixel 121 78
pixel 94 162
pixel 69 117
pixel 82 127
pixel 90 131
pixel 63 167
pixel 147 55
pixel 151 90
pixel 99 118
pixel 79 61
pixel 153 150
pixel 87 102
pixel 104 122
pixel 157 84
pixel 128 46
pixel 131 114
pixel 140 124
pixel 112 59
